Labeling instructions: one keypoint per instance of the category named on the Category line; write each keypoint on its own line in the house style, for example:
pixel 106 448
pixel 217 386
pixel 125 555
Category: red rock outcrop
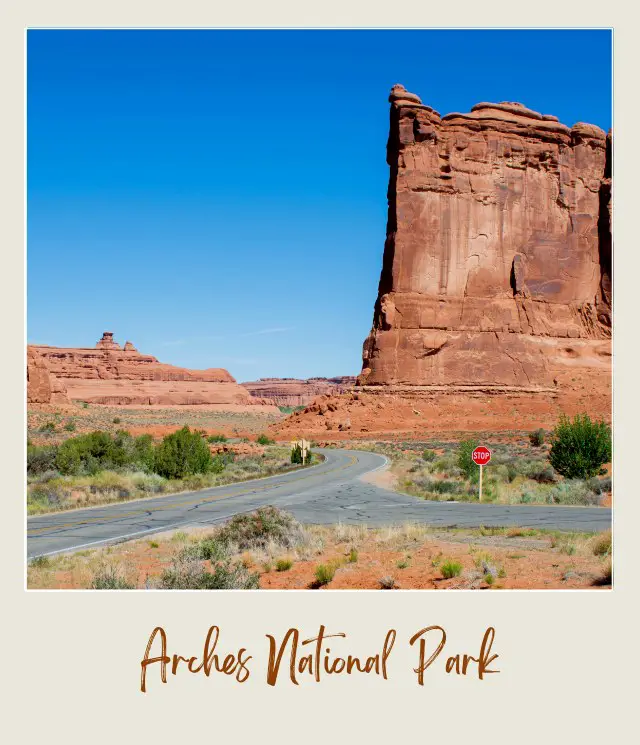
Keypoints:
pixel 294 392
pixel 497 261
pixel 108 374
pixel 42 386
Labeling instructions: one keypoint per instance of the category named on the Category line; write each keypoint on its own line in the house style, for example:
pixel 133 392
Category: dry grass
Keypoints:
pixel 344 556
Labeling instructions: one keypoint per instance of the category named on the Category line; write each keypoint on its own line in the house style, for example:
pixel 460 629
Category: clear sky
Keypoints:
pixel 219 197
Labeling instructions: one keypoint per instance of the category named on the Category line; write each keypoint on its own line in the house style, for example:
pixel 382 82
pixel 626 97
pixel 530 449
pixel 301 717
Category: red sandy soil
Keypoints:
pixel 372 413
pixel 528 563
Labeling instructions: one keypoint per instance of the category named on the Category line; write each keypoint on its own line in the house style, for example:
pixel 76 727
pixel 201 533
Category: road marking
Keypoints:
pixel 36 532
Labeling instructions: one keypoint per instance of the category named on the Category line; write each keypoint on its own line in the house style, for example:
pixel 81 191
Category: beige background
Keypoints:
pixel 71 660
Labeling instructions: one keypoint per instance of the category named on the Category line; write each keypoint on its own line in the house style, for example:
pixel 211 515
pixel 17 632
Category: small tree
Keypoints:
pixel 264 440
pixel 464 460
pixel 580 448
pixel 308 457
pixel 181 454
pixel 296 454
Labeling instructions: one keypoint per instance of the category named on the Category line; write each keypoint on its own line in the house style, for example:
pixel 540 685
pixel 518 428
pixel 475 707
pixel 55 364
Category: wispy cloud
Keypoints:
pixel 275 330
pixel 198 339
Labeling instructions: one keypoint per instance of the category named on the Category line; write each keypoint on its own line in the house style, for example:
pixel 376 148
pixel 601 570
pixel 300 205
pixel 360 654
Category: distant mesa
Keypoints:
pixel 295 392
pixel 110 375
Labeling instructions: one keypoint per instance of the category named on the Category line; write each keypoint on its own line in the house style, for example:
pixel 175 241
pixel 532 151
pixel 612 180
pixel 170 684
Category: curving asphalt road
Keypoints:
pixel 330 492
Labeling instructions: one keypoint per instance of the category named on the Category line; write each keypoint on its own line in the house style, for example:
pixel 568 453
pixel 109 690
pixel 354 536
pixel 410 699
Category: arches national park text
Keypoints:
pixel 297 657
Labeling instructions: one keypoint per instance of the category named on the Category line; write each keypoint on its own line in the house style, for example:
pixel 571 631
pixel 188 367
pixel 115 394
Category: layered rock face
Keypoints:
pixel 108 374
pixel 294 392
pixel 497 261
pixel 42 386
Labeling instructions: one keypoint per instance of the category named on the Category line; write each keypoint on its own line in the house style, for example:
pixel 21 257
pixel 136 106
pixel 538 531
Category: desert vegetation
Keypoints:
pixel 268 548
pixel 564 467
pixel 99 467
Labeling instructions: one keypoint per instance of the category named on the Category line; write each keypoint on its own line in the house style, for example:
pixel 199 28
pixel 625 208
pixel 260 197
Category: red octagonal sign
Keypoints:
pixel 481 456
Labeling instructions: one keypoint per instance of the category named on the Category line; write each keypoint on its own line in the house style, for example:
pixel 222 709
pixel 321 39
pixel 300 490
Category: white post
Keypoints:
pixel 480 483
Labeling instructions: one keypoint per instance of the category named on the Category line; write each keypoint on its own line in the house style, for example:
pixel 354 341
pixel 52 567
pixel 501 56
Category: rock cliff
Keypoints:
pixel 497 260
pixel 42 386
pixel 294 392
pixel 111 375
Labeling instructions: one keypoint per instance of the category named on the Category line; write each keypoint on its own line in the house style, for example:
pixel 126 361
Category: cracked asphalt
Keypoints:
pixel 330 492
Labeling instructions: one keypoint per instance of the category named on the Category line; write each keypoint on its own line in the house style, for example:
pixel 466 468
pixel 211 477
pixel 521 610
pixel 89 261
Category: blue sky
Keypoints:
pixel 219 197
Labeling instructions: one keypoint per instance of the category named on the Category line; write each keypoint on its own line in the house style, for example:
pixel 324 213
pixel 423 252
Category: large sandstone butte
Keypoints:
pixel 497 262
pixel 294 392
pixel 112 375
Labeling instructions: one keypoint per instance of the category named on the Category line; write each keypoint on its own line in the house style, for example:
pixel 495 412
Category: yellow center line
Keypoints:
pixel 201 500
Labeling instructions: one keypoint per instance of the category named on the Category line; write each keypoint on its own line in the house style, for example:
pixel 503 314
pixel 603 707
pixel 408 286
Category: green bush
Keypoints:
pixel 325 572
pixel 580 448
pixel 296 454
pixel 96 451
pixel 264 440
pixel 536 438
pixel 283 565
pixel 216 438
pixel 429 456
pixel 116 420
pixel 48 427
pixel 464 461
pixel 181 454
pixel 308 457
pixel 41 459
pixel 70 427
pixel 450 568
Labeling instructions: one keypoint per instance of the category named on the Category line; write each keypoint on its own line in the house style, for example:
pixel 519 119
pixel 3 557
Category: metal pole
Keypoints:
pixel 480 483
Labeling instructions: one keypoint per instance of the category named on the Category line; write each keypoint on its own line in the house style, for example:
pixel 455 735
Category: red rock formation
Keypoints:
pixel 497 262
pixel 42 386
pixel 294 392
pixel 110 375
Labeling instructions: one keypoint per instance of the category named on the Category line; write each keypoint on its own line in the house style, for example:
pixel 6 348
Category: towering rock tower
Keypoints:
pixel 497 261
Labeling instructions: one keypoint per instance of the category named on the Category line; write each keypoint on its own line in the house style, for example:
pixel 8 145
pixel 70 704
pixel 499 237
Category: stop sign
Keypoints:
pixel 481 456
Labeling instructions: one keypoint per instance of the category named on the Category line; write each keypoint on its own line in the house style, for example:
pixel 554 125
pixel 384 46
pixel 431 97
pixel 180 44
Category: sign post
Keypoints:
pixel 481 456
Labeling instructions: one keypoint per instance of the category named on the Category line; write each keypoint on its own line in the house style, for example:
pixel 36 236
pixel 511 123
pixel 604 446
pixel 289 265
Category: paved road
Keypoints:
pixel 331 492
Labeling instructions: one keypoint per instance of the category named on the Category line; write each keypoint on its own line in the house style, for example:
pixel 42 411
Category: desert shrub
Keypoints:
pixel 189 574
pixel 216 438
pixel 116 420
pixel 539 471
pixel 181 454
pixel 259 528
pixel 109 578
pixel 42 497
pixel 48 427
pixel 602 544
pixel 207 549
pixel 296 454
pixel 488 578
pixel 463 459
pixel 429 456
pixel 90 453
pixel 600 486
pixel 353 556
pixel 150 483
pixel 308 457
pixel 324 573
pixel 580 447
pixel 451 568
pixel 264 440
pixel 40 562
pixel 387 583
pixel 536 438
pixel 41 459
pixel 573 491
pixel 606 577
pixel 70 427
pixel 283 565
